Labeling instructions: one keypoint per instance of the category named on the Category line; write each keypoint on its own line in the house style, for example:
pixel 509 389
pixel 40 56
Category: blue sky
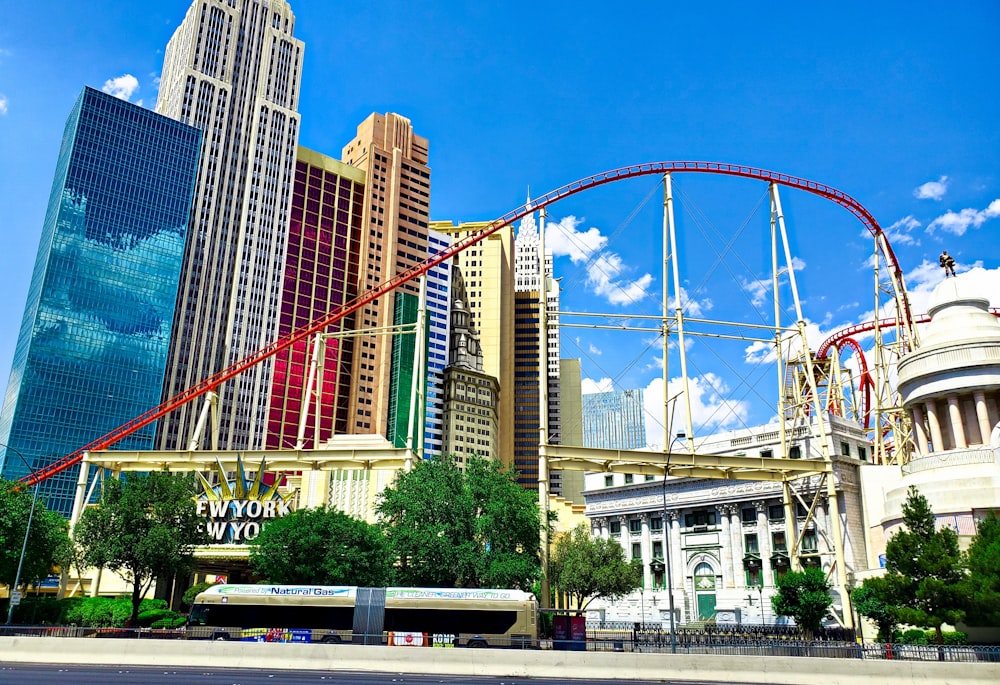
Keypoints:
pixel 894 103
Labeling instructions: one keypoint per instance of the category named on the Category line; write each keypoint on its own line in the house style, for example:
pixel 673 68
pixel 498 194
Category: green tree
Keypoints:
pixel 48 541
pixel 982 585
pixel 805 596
pixel 924 569
pixel 869 600
pixel 145 525
pixel 586 568
pixel 323 546
pixel 452 528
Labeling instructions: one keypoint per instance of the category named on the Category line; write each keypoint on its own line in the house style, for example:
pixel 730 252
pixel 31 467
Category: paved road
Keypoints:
pixel 52 674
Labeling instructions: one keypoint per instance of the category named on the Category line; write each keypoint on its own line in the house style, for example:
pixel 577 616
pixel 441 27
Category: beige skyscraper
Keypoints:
pixel 393 239
pixel 488 272
pixel 232 69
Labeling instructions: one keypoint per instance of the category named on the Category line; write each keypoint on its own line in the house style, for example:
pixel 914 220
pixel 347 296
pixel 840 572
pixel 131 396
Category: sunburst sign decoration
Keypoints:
pixel 234 510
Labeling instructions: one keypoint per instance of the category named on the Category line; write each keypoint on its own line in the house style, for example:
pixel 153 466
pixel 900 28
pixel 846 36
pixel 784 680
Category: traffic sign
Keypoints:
pixel 15 598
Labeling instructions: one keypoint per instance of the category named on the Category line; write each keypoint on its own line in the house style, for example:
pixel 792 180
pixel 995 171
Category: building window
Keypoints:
pixel 634 526
pixel 776 512
pixel 862 453
pixel 795 452
pixel 658 549
pixel 636 550
pixel 777 541
pixel 845 449
pixel 809 541
pixel 700 518
pixel 616 529
pixel 609 481
pixel 754 578
pixel 748 515
pixel 766 454
pixel 800 510
pixel 649 478
pixel 628 478
pixel 750 544
pixel 656 524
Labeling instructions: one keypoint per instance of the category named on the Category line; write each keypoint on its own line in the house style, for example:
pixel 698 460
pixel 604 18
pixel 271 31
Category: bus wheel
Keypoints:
pixel 331 640
pixel 476 644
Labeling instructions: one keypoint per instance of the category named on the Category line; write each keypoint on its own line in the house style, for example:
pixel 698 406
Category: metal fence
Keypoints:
pixel 608 637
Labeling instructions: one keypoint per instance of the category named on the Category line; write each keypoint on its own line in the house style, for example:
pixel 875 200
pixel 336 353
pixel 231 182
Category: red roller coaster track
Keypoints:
pixel 211 383
pixel 845 338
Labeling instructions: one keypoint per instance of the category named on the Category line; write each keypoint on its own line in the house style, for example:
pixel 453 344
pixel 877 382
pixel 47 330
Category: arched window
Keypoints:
pixel 704 577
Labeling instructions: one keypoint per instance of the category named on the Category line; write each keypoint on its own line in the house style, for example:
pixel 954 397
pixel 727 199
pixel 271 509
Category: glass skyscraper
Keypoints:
pixel 614 420
pixel 93 344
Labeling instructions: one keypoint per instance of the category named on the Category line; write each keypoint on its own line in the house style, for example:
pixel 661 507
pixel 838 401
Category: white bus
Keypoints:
pixel 445 617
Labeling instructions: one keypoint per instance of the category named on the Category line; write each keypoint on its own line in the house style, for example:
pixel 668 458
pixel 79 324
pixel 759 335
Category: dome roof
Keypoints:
pixel 958 313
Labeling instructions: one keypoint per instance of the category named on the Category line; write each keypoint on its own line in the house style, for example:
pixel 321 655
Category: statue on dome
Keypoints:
pixel 947 263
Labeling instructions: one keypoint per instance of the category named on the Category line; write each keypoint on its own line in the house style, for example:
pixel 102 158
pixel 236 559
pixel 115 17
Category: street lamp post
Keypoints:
pixel 666 546
pixel 27 534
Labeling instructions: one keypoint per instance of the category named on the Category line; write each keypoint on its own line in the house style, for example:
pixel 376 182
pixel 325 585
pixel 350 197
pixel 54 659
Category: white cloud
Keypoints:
pixel 958 223
pixel 900 233
pixel 605 269
pixel 588 386
pixel 594 349
pixel 565 241
pixel 121 86
pixel 710 409
pixel 759 289
pixel 932 190
pixel 603 277
pixel 3 103
pixel 763 352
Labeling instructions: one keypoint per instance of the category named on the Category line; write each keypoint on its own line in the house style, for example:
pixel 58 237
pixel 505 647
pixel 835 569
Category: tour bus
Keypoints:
pixel 431 617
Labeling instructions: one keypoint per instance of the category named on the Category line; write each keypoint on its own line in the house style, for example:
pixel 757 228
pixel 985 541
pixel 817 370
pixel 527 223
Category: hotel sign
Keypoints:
pixel 234 509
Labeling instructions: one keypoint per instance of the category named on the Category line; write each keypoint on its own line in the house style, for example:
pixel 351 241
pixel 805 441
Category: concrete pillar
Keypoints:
pixel 676 561
pixel 982 416
pixel 647 553
pixel 726 544
pixel 920 433
pixel 991 409
pixel 678 564
pixel 973 434
pixel 736 536
pixel 764 543
pixel 937 443
pixel 957 429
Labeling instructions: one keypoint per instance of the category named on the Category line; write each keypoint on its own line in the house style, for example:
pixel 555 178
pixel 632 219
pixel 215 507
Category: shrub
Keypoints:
pixel 188 598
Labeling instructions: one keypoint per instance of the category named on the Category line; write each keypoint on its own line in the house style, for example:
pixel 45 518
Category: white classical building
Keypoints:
pixel 728 541
pixel 951 386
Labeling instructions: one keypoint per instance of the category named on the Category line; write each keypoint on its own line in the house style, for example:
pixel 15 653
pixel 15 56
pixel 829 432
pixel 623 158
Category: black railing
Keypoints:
pixel 778 640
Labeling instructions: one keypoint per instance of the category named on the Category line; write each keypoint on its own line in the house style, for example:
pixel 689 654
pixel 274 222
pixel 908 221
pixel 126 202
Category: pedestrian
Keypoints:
pixel 947 263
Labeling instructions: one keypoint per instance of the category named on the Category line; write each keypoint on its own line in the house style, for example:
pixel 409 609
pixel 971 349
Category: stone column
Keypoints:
pixel 647 553
pixel 983 416
pixel 991 408
pixel 973 434
pixel 955 415
pixel 677 563
pixel 726 545
pixel 764 542
pixel 917 414
pixel 932 422
pixel 736 536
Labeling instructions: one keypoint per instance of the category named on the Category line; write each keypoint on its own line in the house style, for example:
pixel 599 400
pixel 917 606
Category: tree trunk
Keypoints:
pixel 133 621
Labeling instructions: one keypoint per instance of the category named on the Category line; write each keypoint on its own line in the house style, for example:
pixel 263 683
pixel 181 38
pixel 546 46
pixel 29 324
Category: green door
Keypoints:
pixel 706 606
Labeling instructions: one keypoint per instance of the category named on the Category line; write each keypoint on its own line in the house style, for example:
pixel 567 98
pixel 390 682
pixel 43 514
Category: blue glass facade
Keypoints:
pixel 93 343
pixel 614 420
pixel 438 325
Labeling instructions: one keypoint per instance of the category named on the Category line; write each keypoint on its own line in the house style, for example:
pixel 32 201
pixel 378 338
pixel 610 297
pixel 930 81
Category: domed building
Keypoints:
pixel 950 386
